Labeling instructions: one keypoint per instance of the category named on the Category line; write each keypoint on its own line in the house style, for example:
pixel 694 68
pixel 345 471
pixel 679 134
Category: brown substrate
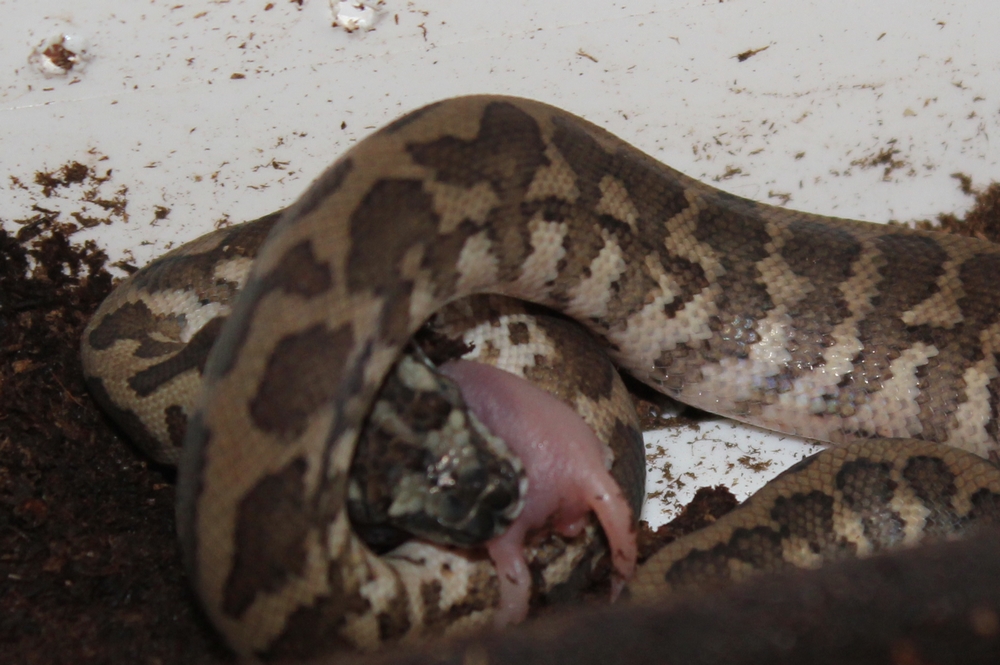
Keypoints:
pixel 89 570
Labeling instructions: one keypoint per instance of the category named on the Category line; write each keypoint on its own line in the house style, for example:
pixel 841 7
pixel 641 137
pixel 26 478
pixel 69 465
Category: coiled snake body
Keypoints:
pixel 828 328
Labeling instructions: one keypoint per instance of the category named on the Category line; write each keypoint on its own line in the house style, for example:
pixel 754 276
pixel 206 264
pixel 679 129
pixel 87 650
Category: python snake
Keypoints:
pixel 827 328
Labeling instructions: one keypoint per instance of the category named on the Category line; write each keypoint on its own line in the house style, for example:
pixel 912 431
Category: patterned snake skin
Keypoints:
pixel 827 328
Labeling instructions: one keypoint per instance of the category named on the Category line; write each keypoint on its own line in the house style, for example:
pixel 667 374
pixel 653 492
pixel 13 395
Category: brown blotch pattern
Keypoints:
pixel 586 369
pixel 985 507
pixel 908 275
pixel 395 217
pixel 316 627
pixel 506 153
pixel 135 321
pixel 993 424
pixel 177 424
pixel 981 308
pixel 629 467
pixel 809 516
pixel 272 523
pixel 518 333
pixel 759 548
pixel 192 356
pixel 182 269
pixel 302 375
pixel 735 230
pixel 868 489
pixel 437 620
pixel 299 272
pixel 656 194
pixel 394 621
pixel 934 484
pixel 815 316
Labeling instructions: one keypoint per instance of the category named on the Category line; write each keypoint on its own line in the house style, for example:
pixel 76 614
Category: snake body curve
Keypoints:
pixel 822 327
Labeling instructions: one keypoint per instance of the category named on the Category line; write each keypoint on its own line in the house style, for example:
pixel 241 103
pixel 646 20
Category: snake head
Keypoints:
pixel 427 467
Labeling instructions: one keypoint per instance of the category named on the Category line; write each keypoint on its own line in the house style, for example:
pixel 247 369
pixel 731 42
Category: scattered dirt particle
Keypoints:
pixel 746 55
pixel 783 197
pixel 754 464
pixel 730 172
pixel 160 213
pixel 885 158
pixel 72 173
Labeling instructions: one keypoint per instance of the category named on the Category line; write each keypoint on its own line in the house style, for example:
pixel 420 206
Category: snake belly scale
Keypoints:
pixel 828 328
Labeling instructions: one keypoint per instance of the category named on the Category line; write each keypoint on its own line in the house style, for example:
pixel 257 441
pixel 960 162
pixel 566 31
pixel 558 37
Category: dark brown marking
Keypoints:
pixel 993 425
pixel 934 484
pixel 177 424
pixel 809 517
pixel 820 252
pixel 506 152
pixel 437 620
pixel 190 357
pixel 518 333
pixel 181 270
pixel 303 373
pixel 910 267
pixel 705 569
pixel 930 478
pixel 734 228
pixel 979 279
pixel 586 369
pixel 629 467
pixel 868 489
pixel 981 309
pixel 135 321
pixel 299 272
pixel 658 194
pixel 272 523
pixel 824 255
pixel 394 218
pixel 985 507
pixel 394 621
pixel 315 628
pixel 424 410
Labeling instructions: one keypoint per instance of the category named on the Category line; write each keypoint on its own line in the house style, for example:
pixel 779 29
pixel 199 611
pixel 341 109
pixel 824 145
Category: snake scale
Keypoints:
pixel 880 338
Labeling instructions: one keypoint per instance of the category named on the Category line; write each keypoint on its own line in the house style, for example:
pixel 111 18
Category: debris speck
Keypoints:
pixel 60 54
pixel 746 55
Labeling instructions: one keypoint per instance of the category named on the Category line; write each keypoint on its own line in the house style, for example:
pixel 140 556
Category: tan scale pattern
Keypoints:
pixel 712 556
pixel 698 293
